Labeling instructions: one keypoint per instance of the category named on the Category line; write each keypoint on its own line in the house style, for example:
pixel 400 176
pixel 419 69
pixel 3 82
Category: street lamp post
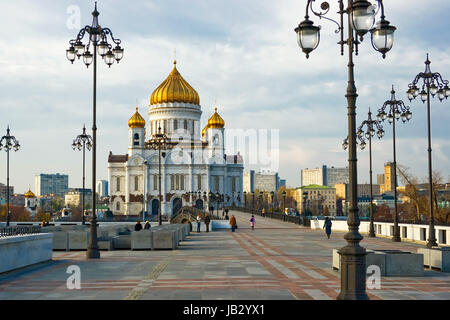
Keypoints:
pixel 370 125
pixel 81 142
pixel 253 202
pixel 397 110
pixel 218 201
pixel 361 18
pixel 245 199
pixel 284 204
pixel 9 142
pixel 432 84
pixel 305 196
pixel 98 37
pixel 159 141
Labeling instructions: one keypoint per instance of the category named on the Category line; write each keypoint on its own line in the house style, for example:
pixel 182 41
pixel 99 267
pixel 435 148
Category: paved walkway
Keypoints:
pixel 278 260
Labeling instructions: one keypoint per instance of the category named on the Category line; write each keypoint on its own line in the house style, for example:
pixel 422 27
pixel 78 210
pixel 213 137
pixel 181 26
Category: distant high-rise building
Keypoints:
pixel 46 184
pixel 336 175
pixel 389 181
pixel 380 179
pixel 262 181
pixel 4 189
pixel 267 181
pixel 101 188
pixel 249 181
pixel 282 183
pixel 315 176
pixel 324 176
pixel 74 197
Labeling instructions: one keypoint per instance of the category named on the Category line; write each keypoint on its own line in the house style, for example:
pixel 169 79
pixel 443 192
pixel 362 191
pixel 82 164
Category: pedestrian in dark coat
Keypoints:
pixel 147 225
pixel 327 227
pixel 207 221
pixel 138 226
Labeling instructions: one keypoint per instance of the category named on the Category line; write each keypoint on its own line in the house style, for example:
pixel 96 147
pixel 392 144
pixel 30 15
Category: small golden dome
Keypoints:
pixel 136 121
pixel 29 194
pixel 174 89
pixel 215 122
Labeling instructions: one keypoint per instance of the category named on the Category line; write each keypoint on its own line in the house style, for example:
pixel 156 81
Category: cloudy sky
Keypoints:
pixel 242 53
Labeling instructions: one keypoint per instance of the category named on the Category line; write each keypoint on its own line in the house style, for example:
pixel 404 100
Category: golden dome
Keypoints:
pixel 215 122
pixel 29 194
pixel 136 121
pixel 174 89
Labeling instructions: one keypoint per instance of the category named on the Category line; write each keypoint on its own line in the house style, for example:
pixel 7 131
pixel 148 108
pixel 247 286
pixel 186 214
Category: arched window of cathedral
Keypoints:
pixel 118 206
pixel 175 124
pixel 165 126
pixel 136 183
pixel 118 184
pixel 155 182
pixel 177 177
pixel 185 124
pixel 136 139
pixel 182 181
pixel 172 182
pixel 233 184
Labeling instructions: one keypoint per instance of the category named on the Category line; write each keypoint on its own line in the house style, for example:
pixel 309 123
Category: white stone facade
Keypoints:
pixel 195 164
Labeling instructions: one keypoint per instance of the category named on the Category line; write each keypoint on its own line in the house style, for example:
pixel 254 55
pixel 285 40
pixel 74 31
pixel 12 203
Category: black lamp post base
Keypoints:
pixel 93 253
pixel 353 273
pixel 431 243
pixel 396 239
pixel 372 235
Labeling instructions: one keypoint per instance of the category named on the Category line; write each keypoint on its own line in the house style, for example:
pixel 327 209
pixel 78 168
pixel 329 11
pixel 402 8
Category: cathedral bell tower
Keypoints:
pixel 136 130
pixel 214 134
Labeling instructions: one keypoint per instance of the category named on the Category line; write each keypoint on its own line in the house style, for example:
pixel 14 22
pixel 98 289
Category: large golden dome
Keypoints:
pixel 136 121
pixel 174 89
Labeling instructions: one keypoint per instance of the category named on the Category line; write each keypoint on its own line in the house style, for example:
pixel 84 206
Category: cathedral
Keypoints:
pixel 195 169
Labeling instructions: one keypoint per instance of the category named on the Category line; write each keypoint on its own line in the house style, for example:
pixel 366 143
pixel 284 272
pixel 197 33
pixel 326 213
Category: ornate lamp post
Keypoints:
pixel 81 142
pixel 159 141
pixel 245 199
pixel 305 197
pixel 272 194
pixel 432 83
pixel 8 142
pixel 253 201
pixel 396 110
pixel 260 198
pixel 284 203
pixel 361 17
pixel 218 201
pixel 98 38
pixel 370 126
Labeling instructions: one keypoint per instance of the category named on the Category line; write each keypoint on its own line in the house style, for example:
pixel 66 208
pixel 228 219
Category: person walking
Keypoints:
pixel 252 222
pixel 147 225
pixel 263 212
pixel 233 223
pixel 138 226
pixel 207 221
pixel 223 213
pixel 199 220
pixel 327 227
